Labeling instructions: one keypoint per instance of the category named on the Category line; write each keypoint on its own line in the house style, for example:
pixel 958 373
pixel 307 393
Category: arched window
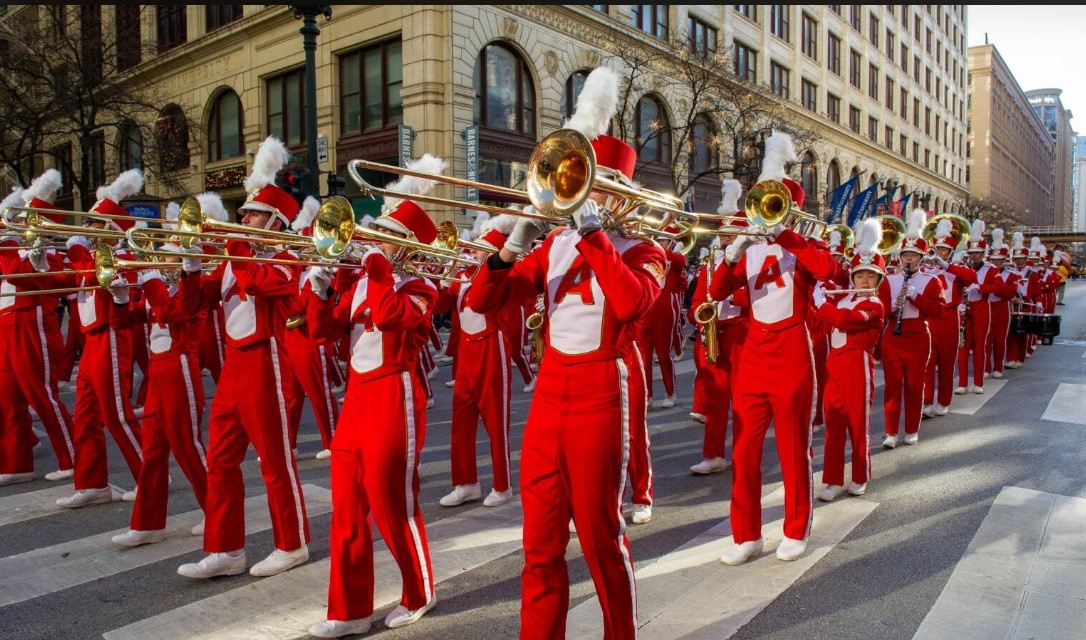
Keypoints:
pixel 809 181
pixel 653 131
pixel 130 147
pixel 703 156
pixel 573 89
pixel 224 137
pixel 504 95
pixel 833 177
pixel 172 138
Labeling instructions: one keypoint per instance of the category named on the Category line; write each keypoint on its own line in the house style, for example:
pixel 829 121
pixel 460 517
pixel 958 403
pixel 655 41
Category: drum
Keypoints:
pixel 1046 325
pixel 1018 322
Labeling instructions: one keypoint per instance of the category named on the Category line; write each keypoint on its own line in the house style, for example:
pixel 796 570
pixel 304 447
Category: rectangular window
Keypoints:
pixel 927 120
pixel 927 79
pixel 286 107
pixel 891 45
pixel 888 138
pixel 916 26
pixel 854 68
pixel 916 152
pixel 748 11
pixel 810 37
pixel 809 95
pixel 63 162
pixel 927 158
pixel 97 157
pixel 128 36
pixel 904 61
pixel 916 112
pixel 928 42
pixel 937 127
pixel 873 81
pixel 833 108
pixel 217 16
pixel 172 26
pixel 651 18
pixel 904 105
pixel 833 54
pixel 90 40
pixel 854 118
pixel 836 8
pixel 889 94
pixel 702 37
pixel 873 29
pixel 916 69
pixel 746 63
pixel 370 83
pixel 905 19
pixel 778 21
pixel 602 8
pixel 873 129
pixel 903 144
pixel 778 79
pixel 854 18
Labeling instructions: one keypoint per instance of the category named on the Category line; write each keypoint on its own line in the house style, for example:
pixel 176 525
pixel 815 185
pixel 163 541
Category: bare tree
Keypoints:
pixel 67 78
pixel 994 211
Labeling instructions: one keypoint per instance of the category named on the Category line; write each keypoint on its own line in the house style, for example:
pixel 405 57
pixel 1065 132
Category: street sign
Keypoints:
pixel 322 148
pixel 147 211
pixel 297 158
pixel 405 141
pixel 471 158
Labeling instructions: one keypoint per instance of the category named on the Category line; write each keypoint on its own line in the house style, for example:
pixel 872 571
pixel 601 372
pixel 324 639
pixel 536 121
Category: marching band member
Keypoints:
pixel 856 320
pixel 779 274
pixel 945 329
pixel 1000 305
pixel 713 380
pixel 250 403
pixel 820 331
pixel 577 437
pixel 377 444
pixel 30 348
pixel 912 298
pixel 1029 285
pixel 104 381
pixel 1050 280
pixel 656 332
pixel 978 312
pixel 482 387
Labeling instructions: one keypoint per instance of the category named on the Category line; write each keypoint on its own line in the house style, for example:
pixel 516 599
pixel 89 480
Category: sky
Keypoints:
pixel 1041 46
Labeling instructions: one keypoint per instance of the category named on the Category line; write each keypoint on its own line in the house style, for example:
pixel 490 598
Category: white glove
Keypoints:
pixel 963 308
pixel 524 233
pixel 819 297
pixel 320 280
pixel 119 289
pixel 371 250
pixel 148 275
pixel 735 250
pixel 939 262
pixel 192 264
pixel 78 240
pixel 37 257
pixel 588 219
pixel 911 292
pixel 775 231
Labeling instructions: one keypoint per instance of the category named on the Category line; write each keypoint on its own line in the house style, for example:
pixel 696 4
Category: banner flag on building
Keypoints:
pixel 839 199
pixel 863 205
pixel 897 207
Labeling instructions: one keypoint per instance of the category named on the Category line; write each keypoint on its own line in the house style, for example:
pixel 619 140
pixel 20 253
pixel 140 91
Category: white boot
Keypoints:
pixel 668 402
pixel 215 564
pixel 134 538
pixel 978 390
pixel 997 374
pixel 709 465
pixel 790 549
pixel 889 442
pixel 401 616
pixel 338 628
pixel 530 387
pixel 697 417
pixel 642 513
pixel 84 497
pixel 911 438
pixel 430 403
pixel 856 489
pixel 130 496
pixel 59 474
pixel 497 498
pixel 450 384
pixel 737 554
pixel 460 494
pixel 15 478
pixel 279 561
pixel 830 492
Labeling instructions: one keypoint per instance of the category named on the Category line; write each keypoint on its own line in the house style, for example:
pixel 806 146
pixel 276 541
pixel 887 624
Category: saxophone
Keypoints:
pixel 706 315
pixel 902 297
pixel 534 324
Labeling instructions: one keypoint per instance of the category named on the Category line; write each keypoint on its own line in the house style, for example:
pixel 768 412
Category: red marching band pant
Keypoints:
pixel 375 462
pixel 714 386
pixel 30 348
pixel 171 422
pixel 482 390
pixel 977 336
pixel 640 465
pixel 212 342
pixel 788 403
pixel 656 333
pixel 904 363
pixel 944 352
pixel 313 378
pixel 850 390
pixel 250 405
pixel 820 346
pixel 999 330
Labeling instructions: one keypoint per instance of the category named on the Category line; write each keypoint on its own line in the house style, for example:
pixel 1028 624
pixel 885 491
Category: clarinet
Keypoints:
pixel 901 298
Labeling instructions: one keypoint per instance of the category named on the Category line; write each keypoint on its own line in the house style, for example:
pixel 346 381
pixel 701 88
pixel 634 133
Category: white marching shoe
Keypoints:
pixel 460 494
pixel 215 564
pixel 85 497
pixel 134 538
pixel 572 527
pixel 911 438
pixel 530 387
pixel 857 489
pixel 977 390
pixel 697 417
pixel 497 498
pixel 709 465
pixel 130 496
pixel 450 384
pixel 790 549
pixel 737 554
pixel 928 411
pixel 940 410
pixel 323 454
pixel 997 374
pixel 15 478
pixel 642 513
pixel 198 528
pixel 59 474
pixel 960 391
pixel 830 492
pixel 668 402
pixel 889 442
pixel 815 428
pixel 279 561
pixel 401 616
pixel 339 628
pixel 430 403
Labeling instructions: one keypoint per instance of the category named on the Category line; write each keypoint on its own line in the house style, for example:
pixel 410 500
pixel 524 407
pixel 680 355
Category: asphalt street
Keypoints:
pixel 880 581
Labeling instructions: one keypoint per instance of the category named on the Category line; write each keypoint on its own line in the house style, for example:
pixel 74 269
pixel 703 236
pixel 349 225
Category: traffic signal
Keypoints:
pixel 293 182
pixel 337 184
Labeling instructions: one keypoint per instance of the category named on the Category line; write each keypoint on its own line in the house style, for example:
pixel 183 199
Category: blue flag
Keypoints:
pixel 839 199
pixel 863 205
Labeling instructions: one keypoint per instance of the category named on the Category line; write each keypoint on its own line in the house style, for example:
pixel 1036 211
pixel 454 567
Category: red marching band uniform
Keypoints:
pixel 999 301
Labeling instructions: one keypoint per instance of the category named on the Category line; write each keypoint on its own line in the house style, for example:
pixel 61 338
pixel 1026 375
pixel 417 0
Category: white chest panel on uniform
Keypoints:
pixel 239 308
pixel 771 273
pixel 839 338
pixel 575 299
pixel 471 323
pixel 88 309
pixel 367 341
pixel 982 273
pixel 918 280
pixel 6 288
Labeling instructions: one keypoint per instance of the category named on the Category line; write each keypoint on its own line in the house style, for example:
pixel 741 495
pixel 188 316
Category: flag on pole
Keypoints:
pixel 897 207
pixel 863 205
pixel 839 199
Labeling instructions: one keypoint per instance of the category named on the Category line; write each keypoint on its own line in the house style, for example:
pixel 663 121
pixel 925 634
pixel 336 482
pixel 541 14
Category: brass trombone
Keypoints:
pixel 34 226
pixel 87 214
pixel 769 203
pixel 107 268
pixel 193 224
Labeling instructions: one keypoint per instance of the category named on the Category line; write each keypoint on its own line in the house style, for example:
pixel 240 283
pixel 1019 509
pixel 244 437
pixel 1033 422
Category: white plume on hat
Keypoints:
pixel 141 224
pixel 13 199
pixel 503 223
pixel 835 239
pixel 868 236
pixel 127 184
pixel 44 186
pixel 976 230
pixel 466 234
pixel 1018 241
pixel 702 254
pixel 412 185
pixel 271 157
pixel 942 230
pixel 997 238
pixel 211 206
pixel 779 151
pixel 481 224
pixel 310 207
pixel 173 212
pixel 1034 245
pixel 366 220
pixel 596 104
pixel 730 191
pixel 917 219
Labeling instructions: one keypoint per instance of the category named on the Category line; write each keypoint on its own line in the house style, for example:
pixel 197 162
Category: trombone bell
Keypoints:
pixel 769 203
pixel 561 173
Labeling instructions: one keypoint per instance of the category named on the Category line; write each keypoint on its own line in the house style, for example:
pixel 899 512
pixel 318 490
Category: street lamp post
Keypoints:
pixel 308 13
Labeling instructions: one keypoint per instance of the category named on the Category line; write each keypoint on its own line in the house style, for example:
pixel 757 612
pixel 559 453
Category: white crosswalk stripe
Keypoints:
pixel 61 566
pixel 21 507
pixel 970 403
pixel 1068 404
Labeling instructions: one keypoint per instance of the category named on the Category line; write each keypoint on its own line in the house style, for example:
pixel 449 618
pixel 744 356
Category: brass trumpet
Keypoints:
pixel 769 203
pixel 705 315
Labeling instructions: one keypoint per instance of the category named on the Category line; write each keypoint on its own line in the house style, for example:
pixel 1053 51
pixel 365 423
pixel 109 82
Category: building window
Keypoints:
pixel 130 146
pixel 873 29
pixel 916 69
pixel 904 104
pixel 97 156
pixel 916 152
pixel 90 39
pixel 916 112
pixel 220 15
pixel 888 138
pixel 928 42
pixel 833 108
pixel 927 158
pixel 746 63
pixel 224 128
pixel 286 107
pixel 903 142
pixel 702 37
pixel 779 79
pixel 836 8
pixel 778 21
pixel 891 45
pixel 873 129
pixel 703 158
pixel 810 37
pixel 653 131
pixel 62 156
pixel 854 16
pixel 370 83
pixel 854 118
pixel 809 95
pixel 889 94
pixel 128 36
pixel 172 26
pixel 904 61
pixel 504 94
pixel 651 18
pixel 854 68
pixel 833 54
pixel 808 178
pixel 916 26
pixel 574 84
pixel 748 11
pixel 172 138
pixel 873 82
pixel 927 120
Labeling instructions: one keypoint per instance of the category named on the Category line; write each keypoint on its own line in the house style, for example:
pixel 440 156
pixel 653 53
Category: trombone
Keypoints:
pixel 893 234
pixel 34 225
pixel 769 203
pixel 107 268
pixel 89 214
pixel 848 238
pixel 192 224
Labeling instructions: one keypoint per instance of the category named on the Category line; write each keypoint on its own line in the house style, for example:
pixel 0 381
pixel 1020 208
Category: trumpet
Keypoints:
pixel 705 315
pixel 769 203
